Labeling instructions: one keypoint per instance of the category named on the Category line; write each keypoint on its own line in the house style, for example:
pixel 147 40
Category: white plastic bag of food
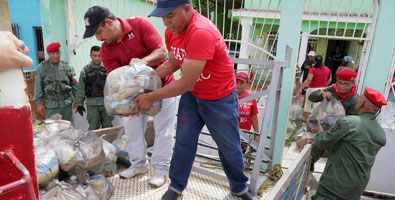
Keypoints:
pixel 328 112
pixel 86 152
pixel 98 188
pixel 120 145
pixel 296 111
pixel 125 83
pixel 50 127
pixel 47 166
pixel 110 166
pixel 60 191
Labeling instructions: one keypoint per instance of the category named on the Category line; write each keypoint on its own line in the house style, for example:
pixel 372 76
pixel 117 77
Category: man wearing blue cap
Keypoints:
pixel 208 98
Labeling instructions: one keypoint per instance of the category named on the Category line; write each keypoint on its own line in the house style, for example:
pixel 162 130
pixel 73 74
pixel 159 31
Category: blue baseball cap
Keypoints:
pixel 348 59
pixel 164 7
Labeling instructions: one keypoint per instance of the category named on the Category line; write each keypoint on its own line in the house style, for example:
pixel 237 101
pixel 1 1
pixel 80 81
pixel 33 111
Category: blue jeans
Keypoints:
pixel 222 120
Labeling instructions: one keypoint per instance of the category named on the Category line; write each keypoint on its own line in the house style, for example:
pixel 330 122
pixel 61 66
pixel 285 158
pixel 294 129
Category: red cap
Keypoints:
pixel 375 97
pixel 242 76
pixel 346 75
pixel 53 47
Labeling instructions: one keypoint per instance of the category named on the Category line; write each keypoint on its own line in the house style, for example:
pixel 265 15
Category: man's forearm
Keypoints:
pixel 167 68
pixel 155 57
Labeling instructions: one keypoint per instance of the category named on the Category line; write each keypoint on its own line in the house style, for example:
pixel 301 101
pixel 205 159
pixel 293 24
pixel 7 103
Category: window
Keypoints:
pixel 15 29
pixel 39 44
pixel 28 76
pixel 312 44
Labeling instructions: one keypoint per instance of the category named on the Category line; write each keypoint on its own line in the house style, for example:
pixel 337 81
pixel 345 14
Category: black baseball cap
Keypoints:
pixel 164 7
pixel 92 18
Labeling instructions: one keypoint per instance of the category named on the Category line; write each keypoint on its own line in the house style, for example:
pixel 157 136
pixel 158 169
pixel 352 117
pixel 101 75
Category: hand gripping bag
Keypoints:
pixel 125 83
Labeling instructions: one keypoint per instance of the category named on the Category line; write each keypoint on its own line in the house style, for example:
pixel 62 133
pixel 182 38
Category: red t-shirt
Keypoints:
pixel 321 75
pixel 203 41
pixel 139 39
pixel 246 110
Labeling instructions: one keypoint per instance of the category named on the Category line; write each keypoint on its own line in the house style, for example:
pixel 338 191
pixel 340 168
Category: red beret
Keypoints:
pixel 346 75
pixel 53 47
pixel 242 76
pixel 375 97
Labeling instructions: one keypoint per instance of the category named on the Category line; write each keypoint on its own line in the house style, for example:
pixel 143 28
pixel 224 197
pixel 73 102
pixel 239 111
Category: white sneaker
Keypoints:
pixel 131 172
pixel 157 180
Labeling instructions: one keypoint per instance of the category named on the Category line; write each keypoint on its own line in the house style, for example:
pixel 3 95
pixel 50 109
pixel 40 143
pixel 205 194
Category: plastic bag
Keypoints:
pixel 47 166
pixel 60 191
pixel 328 112
pixel 110 151
pixel 120 145
pixel 98 188
pixel 110 166
pixel 85 153
pixel 387 116
pixel 296 111
pixel 50 127
pixel 126 82
pixel 303 137
pixel 110 169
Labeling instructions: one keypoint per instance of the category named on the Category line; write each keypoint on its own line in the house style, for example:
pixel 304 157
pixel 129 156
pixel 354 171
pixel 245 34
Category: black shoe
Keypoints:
pixel 247 196
pixel 170 195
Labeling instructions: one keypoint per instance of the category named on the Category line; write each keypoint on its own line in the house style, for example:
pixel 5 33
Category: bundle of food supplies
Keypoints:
pixel 47 166
pixel 328 112
pixel 125 83
pixel 74 149
pixel 303 137
pixel 96 188
pixel 120 146
pixel 296 111
pixel 50 127
pixel 82 153
pixel 110 166
pixel 60 190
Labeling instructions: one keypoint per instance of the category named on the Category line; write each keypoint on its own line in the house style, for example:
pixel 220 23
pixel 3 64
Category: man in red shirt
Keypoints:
pixel 208 98
pixel 126 40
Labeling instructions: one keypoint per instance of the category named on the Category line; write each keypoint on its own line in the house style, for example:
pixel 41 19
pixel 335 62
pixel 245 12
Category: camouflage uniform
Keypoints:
pixel 55 83
pixel 90 87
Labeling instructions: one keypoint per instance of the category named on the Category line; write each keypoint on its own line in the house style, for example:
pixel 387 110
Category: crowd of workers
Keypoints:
pixel 209 96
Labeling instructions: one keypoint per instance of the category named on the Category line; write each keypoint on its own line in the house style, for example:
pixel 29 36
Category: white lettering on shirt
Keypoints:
pixel 131 35
pixel 179 54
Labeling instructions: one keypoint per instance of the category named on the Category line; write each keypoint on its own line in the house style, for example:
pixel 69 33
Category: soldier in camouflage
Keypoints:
pixel 90 87
pixel 56 82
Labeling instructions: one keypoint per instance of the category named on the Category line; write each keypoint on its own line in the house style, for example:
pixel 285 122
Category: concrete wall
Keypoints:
pixel 383 47
pixel 5 20
pixel 53 19
pixel 18 12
